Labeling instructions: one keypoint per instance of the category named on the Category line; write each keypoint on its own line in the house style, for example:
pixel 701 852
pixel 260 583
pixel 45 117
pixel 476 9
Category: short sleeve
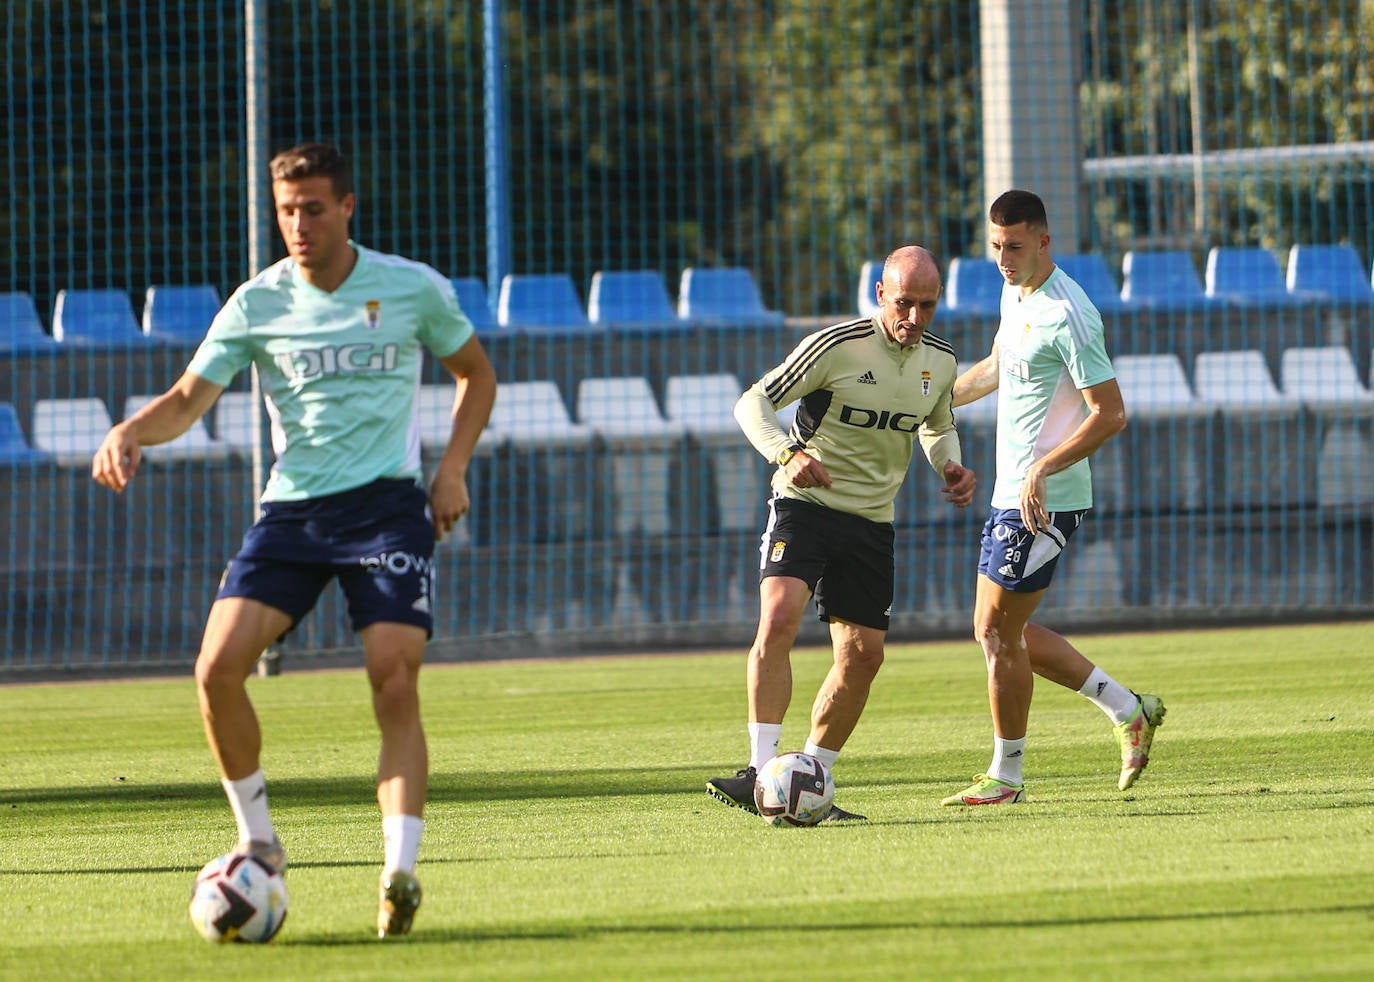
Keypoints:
pixel 227 348
pixel 1085 352
pixel 444 328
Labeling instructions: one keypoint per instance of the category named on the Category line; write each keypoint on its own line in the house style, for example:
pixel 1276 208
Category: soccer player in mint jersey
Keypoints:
pixel 1057 402
pixel 868 390
pixel 338 333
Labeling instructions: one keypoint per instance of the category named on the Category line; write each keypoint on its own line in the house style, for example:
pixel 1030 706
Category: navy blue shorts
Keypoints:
pixel 846 560
pixel 377 539
pixel 1018 561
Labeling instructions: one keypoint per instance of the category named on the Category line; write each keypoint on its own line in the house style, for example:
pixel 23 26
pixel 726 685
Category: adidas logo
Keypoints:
pixel 867 379
pixel 422 605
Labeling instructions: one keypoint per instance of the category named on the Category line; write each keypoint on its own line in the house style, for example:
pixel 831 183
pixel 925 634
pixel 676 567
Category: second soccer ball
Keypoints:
pixel 238 897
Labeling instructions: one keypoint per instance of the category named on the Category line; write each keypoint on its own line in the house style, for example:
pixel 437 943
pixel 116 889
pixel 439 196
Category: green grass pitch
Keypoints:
pixel 569 837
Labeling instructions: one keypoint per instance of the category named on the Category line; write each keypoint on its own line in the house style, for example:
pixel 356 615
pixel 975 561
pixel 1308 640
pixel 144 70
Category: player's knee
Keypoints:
pixel 776 633
pixel 393 685
pixel 865 666
pixel 989 638
pixel 860 661
pixel 396 703
pixel 217 671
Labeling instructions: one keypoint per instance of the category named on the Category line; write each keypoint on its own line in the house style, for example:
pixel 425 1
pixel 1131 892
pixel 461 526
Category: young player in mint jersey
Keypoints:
pixel 1057 402
pixel 867 391
pixel 337 333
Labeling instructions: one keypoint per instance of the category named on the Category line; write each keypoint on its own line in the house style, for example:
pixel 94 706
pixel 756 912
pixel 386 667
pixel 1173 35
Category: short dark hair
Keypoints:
pixel 313 160
pixel 1014 207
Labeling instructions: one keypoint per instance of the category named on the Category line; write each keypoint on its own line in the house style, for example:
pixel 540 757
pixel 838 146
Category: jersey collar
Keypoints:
pixel 889 342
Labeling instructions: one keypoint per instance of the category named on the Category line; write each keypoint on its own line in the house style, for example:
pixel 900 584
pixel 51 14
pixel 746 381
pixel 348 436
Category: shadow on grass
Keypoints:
pixel 624 782
pixel 584 932
pixel 471 786
pixel 370 864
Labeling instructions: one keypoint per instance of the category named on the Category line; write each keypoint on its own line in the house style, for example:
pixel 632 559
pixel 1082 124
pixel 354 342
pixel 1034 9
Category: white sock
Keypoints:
pixel 826 757
pixel 763 743
pixel 248 798
pixel 401 841
pixel 1110 696
pixel 1006 760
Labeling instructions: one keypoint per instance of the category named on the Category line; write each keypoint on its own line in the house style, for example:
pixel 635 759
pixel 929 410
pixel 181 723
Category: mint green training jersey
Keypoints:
pixel 1049 346
pixel 340 371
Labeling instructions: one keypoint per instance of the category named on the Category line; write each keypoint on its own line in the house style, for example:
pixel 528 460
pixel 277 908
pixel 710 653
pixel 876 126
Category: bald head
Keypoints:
pixel 911 259
pixel 909 293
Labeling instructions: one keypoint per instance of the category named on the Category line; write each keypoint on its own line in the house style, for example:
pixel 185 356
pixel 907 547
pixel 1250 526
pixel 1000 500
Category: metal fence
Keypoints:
pixel 794 140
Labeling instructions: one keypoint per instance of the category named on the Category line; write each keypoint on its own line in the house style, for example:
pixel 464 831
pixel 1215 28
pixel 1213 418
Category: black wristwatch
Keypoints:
pixel 787 453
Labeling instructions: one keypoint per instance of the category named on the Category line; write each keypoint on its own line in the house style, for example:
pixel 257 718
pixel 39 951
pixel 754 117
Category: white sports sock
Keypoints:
pixel 401 841
pixel 248 798
pixel 763 743
pixel 1006 760
pixel 1110 696
pixel 826 757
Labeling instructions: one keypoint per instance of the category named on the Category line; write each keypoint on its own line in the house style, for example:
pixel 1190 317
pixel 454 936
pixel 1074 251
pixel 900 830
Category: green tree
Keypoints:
pixel 867 111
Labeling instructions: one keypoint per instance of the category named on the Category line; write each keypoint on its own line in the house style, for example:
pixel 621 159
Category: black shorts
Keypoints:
pixel 847 561
pixel 377 539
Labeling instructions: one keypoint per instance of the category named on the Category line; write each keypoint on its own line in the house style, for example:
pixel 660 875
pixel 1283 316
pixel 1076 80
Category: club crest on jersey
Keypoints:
pixel 925 383
pixel 776 555
pixel 374 314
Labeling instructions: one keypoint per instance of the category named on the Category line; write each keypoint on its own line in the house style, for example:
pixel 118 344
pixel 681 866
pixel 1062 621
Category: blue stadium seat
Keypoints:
pixel 180 314
pixel 472 297
pixel 1089 270
pixel 21 331
pixel 867 299
pixel 544 302
pixel 1248 275
pixel 724 298
pixel 974 286
pixel 98 319
pixel 635 299
pixel 1334 271
pixel 14 449
pixel 1164 280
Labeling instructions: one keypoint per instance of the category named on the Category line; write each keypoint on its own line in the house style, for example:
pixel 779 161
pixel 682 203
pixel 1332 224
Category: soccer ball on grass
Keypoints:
pixel 794 789
pixel 238 897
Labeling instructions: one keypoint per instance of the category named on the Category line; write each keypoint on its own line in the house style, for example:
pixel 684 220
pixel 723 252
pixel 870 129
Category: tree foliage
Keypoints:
pixel 796 137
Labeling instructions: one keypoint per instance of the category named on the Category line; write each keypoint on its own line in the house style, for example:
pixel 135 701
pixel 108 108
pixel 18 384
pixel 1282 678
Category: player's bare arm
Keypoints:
pixel 474 394
pixel 165 418
pixel 1106 418
pixel 980 380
